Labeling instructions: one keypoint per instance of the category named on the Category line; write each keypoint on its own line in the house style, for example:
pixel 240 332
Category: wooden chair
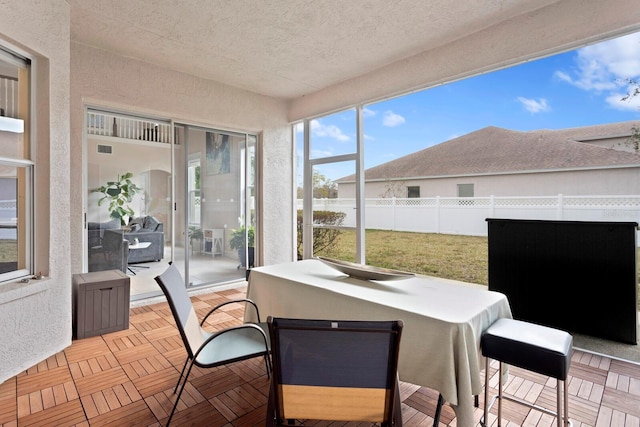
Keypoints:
pixel 334 370
pixel 210 349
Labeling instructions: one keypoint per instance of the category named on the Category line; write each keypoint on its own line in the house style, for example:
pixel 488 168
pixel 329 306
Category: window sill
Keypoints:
pixel 17 290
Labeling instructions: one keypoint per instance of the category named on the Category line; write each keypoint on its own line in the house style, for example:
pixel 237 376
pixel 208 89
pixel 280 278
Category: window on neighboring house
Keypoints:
pixel 465 190
pixel 413 192
pixel 16 168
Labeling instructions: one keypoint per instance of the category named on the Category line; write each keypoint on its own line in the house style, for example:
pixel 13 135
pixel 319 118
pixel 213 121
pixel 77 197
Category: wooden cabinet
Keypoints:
pixel 100 303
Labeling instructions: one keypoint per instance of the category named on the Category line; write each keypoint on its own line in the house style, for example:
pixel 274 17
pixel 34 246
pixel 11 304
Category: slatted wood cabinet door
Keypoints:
pixel 101 303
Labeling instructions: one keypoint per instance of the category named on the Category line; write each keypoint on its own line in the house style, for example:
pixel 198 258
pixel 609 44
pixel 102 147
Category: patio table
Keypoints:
pixel 443 319
pixel 139 245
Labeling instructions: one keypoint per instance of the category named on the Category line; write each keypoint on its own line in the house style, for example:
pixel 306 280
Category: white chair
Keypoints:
pixel 210 349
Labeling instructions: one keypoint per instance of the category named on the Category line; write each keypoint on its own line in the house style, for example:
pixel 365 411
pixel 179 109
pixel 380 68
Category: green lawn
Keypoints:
pixel 8 250
pixel 455 257
pixel 463 258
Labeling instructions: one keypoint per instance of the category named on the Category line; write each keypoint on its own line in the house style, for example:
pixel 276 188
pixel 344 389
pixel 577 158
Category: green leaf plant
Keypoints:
pixel 119 194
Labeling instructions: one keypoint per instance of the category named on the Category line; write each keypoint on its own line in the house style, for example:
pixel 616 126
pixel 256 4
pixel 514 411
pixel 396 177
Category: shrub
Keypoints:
pixel 323 238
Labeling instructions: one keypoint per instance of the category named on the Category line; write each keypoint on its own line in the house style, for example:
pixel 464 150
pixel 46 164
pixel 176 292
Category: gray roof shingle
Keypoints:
pixel 497 150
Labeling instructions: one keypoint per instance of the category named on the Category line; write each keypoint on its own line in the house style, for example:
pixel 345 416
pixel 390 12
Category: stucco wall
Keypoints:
pixel 102 79
pixel 36 317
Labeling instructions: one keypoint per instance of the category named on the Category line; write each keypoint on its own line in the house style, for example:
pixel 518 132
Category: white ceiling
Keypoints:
pixel 283 48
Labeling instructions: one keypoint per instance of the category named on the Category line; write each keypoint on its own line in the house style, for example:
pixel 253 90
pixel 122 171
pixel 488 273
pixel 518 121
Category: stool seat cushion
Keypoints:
pixel 529 346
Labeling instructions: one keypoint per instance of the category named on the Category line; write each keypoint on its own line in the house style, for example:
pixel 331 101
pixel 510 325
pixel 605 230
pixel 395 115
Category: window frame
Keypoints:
pixel 23 164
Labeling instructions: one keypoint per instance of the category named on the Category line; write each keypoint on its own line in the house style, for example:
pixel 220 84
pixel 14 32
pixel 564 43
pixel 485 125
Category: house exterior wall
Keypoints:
pixel 619 181
pixel 36 316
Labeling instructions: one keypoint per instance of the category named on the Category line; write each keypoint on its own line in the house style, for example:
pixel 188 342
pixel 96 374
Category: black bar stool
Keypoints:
pixel 536 348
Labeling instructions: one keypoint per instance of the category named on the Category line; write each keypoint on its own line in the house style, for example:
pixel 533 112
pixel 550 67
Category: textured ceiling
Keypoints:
pixel 282 48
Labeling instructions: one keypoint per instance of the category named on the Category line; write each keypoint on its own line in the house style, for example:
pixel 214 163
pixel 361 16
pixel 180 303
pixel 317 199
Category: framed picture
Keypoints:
pixel 218 154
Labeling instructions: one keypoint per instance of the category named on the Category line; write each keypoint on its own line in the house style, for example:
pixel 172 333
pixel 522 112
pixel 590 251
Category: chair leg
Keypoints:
pixel 559 404
pixel 181 374
pixel 485 417
pixel 271 408
pixel 397 408
pixel 566 403
pixel 436 418
pixel 499 393
pixel 562 417
pixel 484 420
pixel 268 365
pixel 184 383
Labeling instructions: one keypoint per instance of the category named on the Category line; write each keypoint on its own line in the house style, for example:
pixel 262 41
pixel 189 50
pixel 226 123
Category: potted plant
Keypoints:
pixel 119 194
pixel 195 233
pixel 238 242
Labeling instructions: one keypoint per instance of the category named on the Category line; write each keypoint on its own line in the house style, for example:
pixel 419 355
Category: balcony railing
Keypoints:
pixel 8 97
pixel 118 126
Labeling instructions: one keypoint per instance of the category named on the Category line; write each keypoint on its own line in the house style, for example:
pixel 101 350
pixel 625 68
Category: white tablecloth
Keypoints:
pixel 443 319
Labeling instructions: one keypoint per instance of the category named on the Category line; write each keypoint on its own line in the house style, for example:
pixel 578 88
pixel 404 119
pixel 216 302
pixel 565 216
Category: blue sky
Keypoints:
pixel 577 88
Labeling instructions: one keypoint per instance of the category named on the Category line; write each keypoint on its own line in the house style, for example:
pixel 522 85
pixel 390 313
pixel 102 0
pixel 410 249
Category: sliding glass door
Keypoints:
pixel 128 205
pixel 160 192
pixel 215 216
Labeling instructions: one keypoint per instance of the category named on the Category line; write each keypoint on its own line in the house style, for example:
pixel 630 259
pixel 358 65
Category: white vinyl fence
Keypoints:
pixel 467 215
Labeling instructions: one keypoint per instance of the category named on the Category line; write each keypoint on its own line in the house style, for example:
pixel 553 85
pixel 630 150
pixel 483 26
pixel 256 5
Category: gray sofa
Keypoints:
pixel 145 229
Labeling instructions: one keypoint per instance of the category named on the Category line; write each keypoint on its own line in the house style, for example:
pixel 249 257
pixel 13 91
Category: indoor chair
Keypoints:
pixel 115 249
pixel 209 349
pixel 334 370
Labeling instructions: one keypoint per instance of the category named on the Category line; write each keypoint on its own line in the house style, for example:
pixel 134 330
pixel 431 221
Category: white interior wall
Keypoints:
pixel 150 164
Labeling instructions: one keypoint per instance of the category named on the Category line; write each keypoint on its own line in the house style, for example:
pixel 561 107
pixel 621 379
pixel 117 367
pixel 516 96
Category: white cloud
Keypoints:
pixel 534 105
pixel 368 112
pixel 615 101
pixel 330 131
pixel 392 119
pixel 620 57
pixel 561 75
pixel 605 67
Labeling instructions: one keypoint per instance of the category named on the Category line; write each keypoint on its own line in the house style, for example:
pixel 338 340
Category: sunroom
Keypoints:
pixel 245 69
